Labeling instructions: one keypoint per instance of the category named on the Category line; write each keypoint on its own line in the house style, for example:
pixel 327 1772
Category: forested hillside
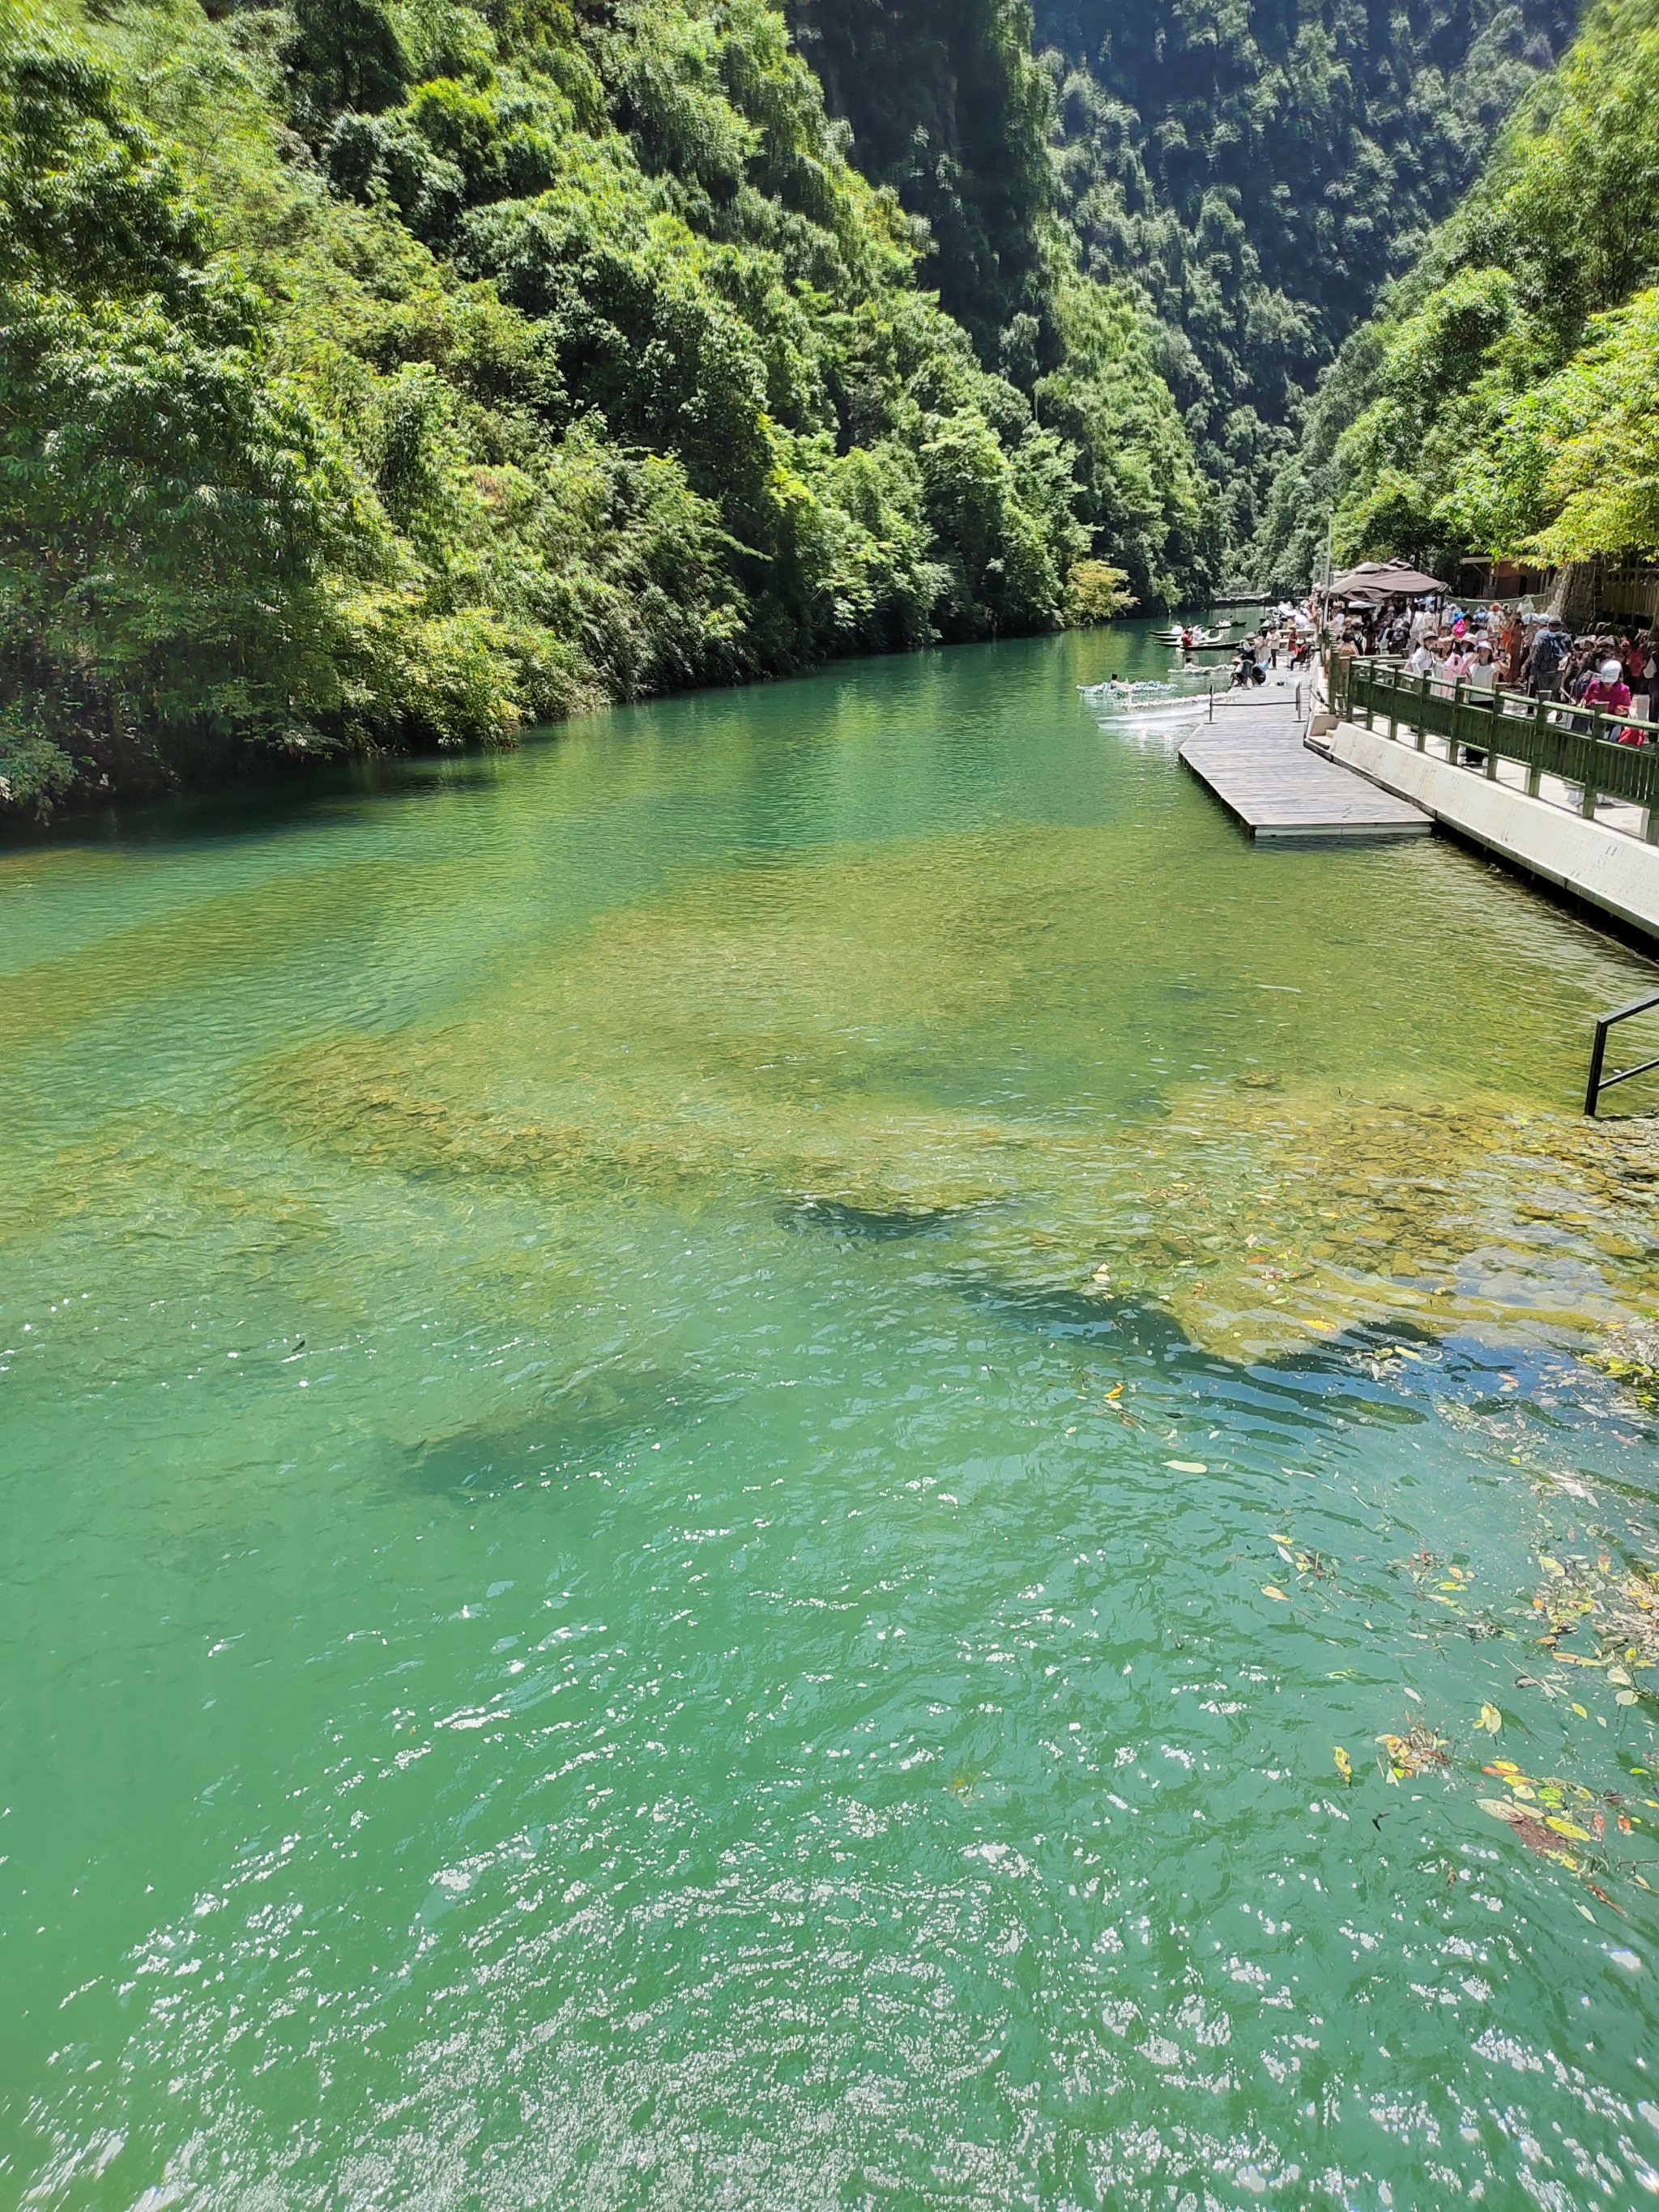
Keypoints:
pixel 1506 399
pixel 389 372
pixel 1258 171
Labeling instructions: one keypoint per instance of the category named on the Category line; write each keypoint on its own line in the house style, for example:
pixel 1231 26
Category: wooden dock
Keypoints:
pixel 1252 757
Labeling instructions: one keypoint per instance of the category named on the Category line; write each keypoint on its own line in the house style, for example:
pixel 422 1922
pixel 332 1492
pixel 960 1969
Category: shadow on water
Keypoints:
pixel 593 1424
pixel 1077 1317
pixel 873 1225
pixel 1323 1384
pixel 267 796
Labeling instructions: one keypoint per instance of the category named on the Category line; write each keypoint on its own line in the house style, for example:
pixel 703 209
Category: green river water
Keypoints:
pixel 707 1436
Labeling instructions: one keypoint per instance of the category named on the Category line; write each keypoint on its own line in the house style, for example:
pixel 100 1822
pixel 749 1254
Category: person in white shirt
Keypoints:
pixel 1482 671
pixel 1421 660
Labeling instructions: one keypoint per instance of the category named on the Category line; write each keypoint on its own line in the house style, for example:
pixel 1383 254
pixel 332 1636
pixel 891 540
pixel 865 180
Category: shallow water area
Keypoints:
pixel 709 1434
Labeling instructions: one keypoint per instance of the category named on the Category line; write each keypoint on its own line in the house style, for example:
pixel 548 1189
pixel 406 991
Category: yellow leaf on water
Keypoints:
pixel 1343 1763
pixel 1581 1712
pixel 1490 1719
pixel 1272 1589
pixel 1188 1466
pixel 1563 1826
pixel 1550 1566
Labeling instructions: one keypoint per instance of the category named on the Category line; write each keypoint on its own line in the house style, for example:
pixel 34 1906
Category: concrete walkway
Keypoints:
pixel 1253 758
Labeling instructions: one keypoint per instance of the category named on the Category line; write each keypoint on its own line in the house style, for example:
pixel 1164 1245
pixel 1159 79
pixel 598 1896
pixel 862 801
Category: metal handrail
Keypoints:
pixel 1598 1082
pixel 1545 736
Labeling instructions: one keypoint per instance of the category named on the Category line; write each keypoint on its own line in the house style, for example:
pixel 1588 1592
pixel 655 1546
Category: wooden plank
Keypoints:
pixel 1253 758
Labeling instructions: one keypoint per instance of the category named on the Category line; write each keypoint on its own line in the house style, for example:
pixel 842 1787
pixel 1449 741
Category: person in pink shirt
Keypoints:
pixel 1609 691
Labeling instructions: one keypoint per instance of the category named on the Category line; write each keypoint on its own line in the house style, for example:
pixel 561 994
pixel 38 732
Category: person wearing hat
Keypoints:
pixel 1609 691
pixel 1480 672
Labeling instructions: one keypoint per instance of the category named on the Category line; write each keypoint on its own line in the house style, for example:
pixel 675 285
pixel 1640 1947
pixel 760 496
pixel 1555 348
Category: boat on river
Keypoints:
pixel 1222 633
pixel 1181 697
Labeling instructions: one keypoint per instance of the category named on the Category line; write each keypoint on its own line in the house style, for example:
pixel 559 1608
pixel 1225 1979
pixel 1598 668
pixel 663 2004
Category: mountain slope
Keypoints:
pixel 1503 400
pixel 1258 171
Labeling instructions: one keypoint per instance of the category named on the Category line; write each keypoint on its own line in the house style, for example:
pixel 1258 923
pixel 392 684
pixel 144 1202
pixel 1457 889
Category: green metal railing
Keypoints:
pixel 1546 737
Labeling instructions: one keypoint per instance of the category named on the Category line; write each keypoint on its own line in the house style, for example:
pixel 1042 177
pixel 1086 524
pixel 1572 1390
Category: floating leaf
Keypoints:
pixel 1550 1566
pixel 1343 1763
pixel 1563 1826
pixel 1273 1590
pixel 1411 1755
pixel 1490 1719
pixel 1415 1696
pixel 1625 1698
pixel 1188 1466
pixel 1529 1830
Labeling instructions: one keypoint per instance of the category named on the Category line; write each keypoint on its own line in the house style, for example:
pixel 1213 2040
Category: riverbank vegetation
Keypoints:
pixel 389 372
pixel 1502 401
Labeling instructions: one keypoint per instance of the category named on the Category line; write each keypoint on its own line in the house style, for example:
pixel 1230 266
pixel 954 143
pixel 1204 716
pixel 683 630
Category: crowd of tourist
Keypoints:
pixel 1494 646
pixel 1286 640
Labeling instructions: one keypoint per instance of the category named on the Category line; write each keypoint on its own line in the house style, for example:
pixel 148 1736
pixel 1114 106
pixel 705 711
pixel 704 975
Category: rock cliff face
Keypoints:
pixel 947 106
